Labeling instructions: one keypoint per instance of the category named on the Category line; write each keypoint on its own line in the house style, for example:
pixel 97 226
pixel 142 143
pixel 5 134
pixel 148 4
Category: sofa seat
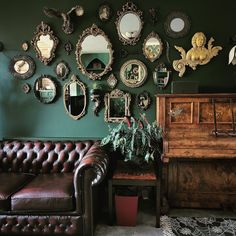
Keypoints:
pixel 11 183
pixel 45 193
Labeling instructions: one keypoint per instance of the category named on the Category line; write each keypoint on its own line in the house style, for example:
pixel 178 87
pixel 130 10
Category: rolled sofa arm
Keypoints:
pixel 95 159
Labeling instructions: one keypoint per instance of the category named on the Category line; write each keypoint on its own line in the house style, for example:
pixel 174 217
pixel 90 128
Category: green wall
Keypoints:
pixel 22 115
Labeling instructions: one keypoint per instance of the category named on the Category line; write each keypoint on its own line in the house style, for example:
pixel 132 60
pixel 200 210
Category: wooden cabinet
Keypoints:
pixel 199 149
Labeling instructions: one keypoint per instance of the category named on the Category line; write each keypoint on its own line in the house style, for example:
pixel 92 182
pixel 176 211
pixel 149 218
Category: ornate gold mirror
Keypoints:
pixel 152 47
pixel 45 89
pixel 75 101
pixel 133 73
pixel 117 105
pixel 94 53
pixel 44 43
pixel 129 24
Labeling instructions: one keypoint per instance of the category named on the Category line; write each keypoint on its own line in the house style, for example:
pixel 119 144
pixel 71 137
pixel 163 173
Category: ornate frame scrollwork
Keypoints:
pixel 116 94
pixel 42 31
pixel 95 31
pixel 129 7
pixel 149 54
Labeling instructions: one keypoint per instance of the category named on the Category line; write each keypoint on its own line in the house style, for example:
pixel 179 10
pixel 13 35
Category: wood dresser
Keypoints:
pixel 199 147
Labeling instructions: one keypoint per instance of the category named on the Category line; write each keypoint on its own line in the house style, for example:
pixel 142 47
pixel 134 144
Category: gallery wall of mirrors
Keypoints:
pixel 94 51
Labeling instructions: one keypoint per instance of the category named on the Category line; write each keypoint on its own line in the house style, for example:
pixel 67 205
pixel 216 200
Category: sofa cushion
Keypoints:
pixel 11 183
pixel 46 192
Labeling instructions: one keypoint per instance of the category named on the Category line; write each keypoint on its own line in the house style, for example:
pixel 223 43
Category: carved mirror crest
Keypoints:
pixel 133 73
pixel 44 43
pixel 94 53
pixel 45 89
pixel 62 70
pixel 129 24
pixel 117 105
pixel 74 97
pixel 144 100
pixel 152 47
pixel 177 24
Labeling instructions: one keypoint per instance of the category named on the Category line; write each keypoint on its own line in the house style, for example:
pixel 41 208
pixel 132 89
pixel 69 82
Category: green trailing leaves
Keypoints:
pixel 138 141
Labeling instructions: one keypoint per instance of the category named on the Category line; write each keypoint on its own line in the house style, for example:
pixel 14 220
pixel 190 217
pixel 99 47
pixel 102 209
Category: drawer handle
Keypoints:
pixel 176 112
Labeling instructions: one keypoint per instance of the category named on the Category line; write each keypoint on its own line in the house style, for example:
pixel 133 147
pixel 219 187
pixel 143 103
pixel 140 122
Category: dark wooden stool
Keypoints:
pixel 124 177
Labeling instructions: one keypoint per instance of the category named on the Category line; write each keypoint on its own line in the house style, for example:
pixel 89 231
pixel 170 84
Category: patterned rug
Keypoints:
pixel 193 226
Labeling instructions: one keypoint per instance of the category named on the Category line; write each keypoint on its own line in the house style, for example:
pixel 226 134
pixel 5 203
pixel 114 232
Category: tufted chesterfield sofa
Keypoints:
pixel 47 187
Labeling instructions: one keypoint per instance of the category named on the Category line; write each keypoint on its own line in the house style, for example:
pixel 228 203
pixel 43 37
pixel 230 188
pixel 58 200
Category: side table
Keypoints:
pixel 124 177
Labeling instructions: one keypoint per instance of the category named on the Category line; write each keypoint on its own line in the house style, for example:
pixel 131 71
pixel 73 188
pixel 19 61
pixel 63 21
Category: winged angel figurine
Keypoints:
pixel 67 25
pixel 197 55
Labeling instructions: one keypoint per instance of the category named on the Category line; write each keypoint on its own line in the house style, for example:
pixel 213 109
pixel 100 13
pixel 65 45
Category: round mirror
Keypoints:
pixel 129 24
pixel 75 98
pixel 177 24
pixel 133 73
pixel 45 89
pixel 22 66
pixel 152 47
pixel 94 53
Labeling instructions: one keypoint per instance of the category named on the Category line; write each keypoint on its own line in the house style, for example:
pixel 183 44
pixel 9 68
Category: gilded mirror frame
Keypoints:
pixel 94 31
pixel 175 15
pixel 127 8
pixel 45 91
pixel 116 94
pixel 133 82
pixel 20 62
pixel 44 30
pixel 150 55
pixel 74 79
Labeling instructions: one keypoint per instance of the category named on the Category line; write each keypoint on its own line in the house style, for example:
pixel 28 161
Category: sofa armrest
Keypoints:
pixel 96 160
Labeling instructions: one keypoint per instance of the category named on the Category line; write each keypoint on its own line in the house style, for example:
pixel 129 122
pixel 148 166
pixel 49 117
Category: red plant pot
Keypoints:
pixel 126 210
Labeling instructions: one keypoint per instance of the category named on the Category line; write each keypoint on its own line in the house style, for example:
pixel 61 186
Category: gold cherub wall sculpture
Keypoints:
pixel 197 55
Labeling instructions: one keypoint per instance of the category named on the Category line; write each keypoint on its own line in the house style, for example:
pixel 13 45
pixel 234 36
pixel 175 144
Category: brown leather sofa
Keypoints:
pixel 47 187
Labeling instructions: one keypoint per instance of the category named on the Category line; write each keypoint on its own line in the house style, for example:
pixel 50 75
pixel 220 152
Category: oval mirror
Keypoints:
pixel 44 43
pixel 152 47
pixel 45 89
pixel 129 24
pixel 133 73
pixel 177 24
pixel 75 98
pixel 62 70
pixel 94 53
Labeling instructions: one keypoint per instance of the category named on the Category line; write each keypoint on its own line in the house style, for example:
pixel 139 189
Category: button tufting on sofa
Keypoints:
pixel 47 186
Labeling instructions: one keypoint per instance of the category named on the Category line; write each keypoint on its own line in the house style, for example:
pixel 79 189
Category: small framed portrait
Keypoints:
pixel 104 12
pixel 62 70
pixel 144 100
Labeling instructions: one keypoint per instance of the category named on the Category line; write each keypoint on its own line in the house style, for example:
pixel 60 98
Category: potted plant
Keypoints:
pixel 137 140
